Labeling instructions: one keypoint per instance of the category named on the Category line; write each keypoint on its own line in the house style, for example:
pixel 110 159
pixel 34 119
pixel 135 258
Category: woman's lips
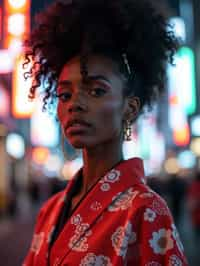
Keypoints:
pixel 76 128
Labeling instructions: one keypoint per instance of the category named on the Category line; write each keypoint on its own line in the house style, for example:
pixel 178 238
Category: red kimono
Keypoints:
pixel 121 221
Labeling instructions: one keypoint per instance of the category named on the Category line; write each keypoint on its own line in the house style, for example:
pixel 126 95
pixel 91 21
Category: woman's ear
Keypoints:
pixel 133 108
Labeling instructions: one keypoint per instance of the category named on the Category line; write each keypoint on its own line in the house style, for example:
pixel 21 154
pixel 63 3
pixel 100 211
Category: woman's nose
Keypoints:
pixel 78 103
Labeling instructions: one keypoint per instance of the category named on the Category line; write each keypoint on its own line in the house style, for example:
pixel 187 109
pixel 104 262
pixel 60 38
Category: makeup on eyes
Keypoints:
pixel 64 85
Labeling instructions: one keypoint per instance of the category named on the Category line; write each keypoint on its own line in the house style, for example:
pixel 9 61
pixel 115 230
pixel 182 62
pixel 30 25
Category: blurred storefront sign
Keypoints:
pixel 6 62
pixel 182 95
pixel 22 107
pixel 4 101
pixel 16 22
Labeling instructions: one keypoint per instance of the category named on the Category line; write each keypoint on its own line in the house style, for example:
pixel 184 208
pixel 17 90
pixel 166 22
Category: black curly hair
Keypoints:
pixel 106 27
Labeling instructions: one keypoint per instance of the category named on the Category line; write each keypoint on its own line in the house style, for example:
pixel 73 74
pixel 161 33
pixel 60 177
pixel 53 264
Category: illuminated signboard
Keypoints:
pixel 17 23
pixel 4 102
pixel 182 80
pixel 44 128
pixel 22 107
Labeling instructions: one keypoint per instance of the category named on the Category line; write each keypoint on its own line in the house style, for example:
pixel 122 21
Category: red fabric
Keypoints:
pixel 194 202
pixel 120 222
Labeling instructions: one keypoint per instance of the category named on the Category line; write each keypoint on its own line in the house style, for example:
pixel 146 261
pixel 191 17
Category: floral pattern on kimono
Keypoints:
pixel 117 222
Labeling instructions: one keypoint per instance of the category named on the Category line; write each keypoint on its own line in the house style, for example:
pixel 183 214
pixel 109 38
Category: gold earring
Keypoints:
pixel 127 130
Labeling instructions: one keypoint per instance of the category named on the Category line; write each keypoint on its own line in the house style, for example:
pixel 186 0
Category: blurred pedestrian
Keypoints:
pixel 176 191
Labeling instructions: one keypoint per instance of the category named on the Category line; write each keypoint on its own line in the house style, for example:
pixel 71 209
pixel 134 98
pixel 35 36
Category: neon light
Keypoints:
pixel 195 126
pixel 44 129
pixel 178 27
pixel 16 24
pixel 40 155
pixel 15 46
pixel 187 90
pixel 22 107
pixel 6 62
pixel 186 159
pixel 15 145
pixel 16 21
pixel 182 87
pixel 181 136
pixel 17 3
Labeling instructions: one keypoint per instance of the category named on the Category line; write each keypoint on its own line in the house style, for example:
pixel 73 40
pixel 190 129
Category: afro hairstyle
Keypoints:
pixel 106 27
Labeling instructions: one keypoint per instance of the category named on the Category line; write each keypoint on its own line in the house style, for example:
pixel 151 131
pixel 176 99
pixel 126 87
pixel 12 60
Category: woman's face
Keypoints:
pixel 91 114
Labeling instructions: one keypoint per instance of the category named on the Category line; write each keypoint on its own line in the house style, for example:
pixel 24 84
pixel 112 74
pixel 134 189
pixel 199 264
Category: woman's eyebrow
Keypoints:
pixel 64 83
pixel 90 77
pixel 97 77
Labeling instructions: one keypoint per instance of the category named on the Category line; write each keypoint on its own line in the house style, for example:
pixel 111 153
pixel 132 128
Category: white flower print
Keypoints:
pixel 37 242
pixel 175 261
pixel 159 207
pixel 121 238
pixel 112 176
pixel 76 220
pixel 146 195
pixel 82 228
pixel 149 215
pixel 78 244
pixel 175 235
pixel 161 241
pixel 123 200
pixel 78 241
pixel 153 263
pixel 105 187
pixel 93 260
pixel 96 206
pixel 143 180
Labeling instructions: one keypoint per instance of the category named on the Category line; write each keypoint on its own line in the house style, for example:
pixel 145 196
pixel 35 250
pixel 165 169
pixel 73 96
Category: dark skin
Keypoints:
pixel 102 104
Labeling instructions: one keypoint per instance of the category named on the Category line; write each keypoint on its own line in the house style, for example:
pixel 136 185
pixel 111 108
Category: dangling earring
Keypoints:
pixel 127 130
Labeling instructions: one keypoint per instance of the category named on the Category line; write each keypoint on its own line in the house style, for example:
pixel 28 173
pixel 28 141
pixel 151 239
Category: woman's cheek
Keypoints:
pixel 61 115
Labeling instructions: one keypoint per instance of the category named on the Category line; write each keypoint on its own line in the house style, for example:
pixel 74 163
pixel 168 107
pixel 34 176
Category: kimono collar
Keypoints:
pixel 106 194
pixel 132 171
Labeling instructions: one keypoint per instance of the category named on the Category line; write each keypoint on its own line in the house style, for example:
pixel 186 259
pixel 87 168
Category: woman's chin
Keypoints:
pixel 79 143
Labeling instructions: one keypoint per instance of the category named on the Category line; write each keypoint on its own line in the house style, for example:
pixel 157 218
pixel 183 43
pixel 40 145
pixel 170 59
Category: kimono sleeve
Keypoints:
pixel 39 229
pixel 157 239
pixel 28 260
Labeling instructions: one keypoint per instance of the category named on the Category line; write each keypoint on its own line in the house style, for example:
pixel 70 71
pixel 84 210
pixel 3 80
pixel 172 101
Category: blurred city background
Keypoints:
pixel 32 165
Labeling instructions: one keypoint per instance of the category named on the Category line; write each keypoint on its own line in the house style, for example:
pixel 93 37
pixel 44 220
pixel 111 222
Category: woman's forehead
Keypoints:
pixel 96 65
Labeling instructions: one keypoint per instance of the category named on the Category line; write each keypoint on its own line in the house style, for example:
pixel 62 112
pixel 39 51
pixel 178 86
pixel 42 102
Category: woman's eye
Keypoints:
pixel 97 92
pixel 64 96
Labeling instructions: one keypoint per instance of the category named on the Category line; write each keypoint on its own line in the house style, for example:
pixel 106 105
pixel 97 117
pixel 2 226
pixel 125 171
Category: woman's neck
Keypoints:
pixel 98 161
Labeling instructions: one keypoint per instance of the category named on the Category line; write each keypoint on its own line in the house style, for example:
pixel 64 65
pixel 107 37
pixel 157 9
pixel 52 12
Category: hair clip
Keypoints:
pixel 124 55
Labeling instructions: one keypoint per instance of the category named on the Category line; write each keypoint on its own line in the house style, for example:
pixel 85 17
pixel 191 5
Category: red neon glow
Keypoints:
pixel 16 20
pixel 40 155
pixel 181 136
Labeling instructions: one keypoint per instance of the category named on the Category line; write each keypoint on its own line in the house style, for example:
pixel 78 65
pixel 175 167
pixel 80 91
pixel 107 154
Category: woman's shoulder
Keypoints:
pixel 149 199
pixel 51 204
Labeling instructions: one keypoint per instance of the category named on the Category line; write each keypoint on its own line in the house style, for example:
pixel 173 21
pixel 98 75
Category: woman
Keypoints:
pixel 103 61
